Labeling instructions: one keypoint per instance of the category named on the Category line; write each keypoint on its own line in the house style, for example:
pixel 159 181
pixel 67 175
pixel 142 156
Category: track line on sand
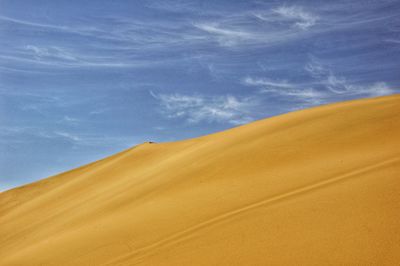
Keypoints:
pixel 187 233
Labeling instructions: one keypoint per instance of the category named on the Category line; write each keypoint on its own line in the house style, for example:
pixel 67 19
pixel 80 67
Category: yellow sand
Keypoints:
pixel 314 187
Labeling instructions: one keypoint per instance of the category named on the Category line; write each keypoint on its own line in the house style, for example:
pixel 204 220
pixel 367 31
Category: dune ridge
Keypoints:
pixel 312 187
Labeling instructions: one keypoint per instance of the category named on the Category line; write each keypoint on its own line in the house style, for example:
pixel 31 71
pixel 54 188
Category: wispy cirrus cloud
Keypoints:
pixel 78 30
pixel 69 120
pixel 339 85
pixel 286 89
pixel 116 42
pixel 50 53
pixel 68 136
pixel 59 57
pixel 32 24
pixel 227 36
pixel 200 108
pixel 107 42
pixel 241 29
pixel 322 86
pixel 267 82
pixel 230 29
pixel 297 15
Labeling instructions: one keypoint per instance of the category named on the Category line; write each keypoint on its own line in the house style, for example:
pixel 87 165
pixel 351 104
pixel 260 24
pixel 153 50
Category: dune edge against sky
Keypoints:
pixel 313 186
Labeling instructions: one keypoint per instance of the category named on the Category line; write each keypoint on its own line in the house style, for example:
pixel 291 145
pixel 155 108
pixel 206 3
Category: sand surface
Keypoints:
pixel 314 187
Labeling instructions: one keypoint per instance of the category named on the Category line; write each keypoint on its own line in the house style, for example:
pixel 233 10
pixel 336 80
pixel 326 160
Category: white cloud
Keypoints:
pixel 99 111
pixel 124 35
pixel 70 120
pixel 339 85
pixel 32 24
pixel 226 36
pixel 297 15
pixel 378 89
pixel 287 89
pixel 85 31
pixel 68 136
pixel 316 69
pixel 199 108
pixel 278 25
pixel 214 28
pixel 61 57
pixel 267 82
pixel 51 52
pixel 307 94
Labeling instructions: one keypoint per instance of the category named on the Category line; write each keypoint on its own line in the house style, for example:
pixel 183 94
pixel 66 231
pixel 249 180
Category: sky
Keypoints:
pixel 81 80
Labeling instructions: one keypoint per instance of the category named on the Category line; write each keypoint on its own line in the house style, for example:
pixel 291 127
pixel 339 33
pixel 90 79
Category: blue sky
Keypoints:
pixel 80 80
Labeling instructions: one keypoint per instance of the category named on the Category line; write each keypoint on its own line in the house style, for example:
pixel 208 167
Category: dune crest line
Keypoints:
pixel 312 187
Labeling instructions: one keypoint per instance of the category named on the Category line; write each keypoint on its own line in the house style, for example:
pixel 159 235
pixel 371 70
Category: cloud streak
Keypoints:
pixel 285 89
pixel 200 108
pixel 323 86
pixel 267 83
pixel 280 24
pixel 115 36
pixel 339 85
pixel 297 15
pixel 122 42
pixel 59 57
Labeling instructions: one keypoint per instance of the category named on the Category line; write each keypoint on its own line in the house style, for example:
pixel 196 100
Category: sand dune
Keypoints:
pixel 314 187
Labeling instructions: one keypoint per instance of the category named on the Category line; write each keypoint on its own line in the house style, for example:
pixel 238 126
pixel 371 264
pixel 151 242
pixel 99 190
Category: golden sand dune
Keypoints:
pixel 315 187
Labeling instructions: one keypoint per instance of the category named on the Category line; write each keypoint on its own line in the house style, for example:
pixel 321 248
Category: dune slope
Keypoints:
pixel 314 187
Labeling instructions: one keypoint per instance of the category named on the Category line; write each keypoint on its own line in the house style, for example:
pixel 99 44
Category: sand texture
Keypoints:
pixel 314 187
